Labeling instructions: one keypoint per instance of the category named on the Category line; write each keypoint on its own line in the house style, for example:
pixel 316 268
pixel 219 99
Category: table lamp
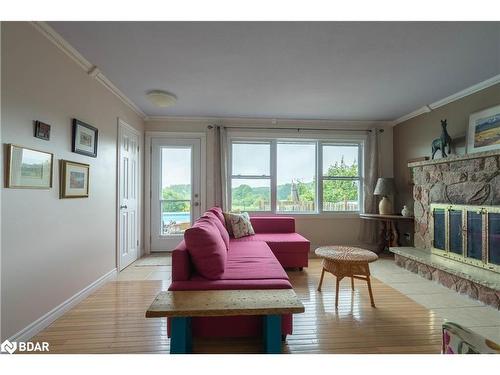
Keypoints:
pixel 384 187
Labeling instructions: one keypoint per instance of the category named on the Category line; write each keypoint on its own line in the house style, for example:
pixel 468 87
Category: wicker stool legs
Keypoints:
pixel 360 271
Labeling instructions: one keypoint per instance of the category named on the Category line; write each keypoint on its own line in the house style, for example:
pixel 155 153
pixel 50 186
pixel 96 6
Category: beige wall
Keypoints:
pixel 413 138
pixel 342 229
pixel 53 248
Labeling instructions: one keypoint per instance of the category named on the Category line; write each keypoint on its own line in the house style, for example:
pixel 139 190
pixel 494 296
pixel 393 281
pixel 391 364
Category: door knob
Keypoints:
pixel 196 203
pixel 123 207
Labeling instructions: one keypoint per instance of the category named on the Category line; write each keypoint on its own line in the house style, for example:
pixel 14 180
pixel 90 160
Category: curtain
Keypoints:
pixel 369 229
pixel 220 167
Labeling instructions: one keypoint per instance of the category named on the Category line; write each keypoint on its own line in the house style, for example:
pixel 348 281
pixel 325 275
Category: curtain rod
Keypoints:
pixel 297 129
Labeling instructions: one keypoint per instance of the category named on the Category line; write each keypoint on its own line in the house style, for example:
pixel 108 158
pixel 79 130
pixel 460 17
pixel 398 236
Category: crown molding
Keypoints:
pixel 466 92
pixel 262 121
pixel 451 98
pixel 92 70
pixel 418 112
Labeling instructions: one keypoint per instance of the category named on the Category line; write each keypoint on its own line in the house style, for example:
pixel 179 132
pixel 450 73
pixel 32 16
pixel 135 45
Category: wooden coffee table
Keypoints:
pixel 346 261
pixel 181 306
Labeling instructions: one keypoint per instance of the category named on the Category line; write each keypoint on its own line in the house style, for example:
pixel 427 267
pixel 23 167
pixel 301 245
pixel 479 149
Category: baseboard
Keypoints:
pixel 31 330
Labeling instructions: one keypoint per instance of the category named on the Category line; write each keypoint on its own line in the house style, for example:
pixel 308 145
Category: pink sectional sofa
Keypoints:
pixel 253 262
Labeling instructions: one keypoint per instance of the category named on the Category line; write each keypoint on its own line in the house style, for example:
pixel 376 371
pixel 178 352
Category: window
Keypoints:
pixel 340 177
pixel 295 176
pixel 251 176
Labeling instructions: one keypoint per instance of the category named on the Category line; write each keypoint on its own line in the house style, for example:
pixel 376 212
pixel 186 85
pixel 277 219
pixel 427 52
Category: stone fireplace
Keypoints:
pixel 471 180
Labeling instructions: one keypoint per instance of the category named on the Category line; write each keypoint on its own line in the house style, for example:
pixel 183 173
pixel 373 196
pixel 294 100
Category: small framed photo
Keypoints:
pixel 74 179
pixel 484 130
pixel 42 130
pixel 28 168
pixel 84 139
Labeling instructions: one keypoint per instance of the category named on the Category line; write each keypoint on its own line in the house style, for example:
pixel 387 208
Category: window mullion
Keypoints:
pixel 274 168
pixel 319 179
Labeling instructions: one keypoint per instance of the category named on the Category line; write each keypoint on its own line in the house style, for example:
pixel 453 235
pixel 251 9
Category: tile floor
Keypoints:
pixel 444 302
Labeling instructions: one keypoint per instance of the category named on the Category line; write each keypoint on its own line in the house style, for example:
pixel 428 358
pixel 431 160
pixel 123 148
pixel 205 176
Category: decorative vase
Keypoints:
pixel 405 211
pixel 385 207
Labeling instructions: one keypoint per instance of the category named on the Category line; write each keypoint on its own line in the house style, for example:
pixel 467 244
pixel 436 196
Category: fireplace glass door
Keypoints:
pixel 456 232
pixel 494 238
pixel 439 229
pixel 474 235
pixel 469 234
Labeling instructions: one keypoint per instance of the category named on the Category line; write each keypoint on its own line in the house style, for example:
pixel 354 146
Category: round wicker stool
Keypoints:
pixel 346 261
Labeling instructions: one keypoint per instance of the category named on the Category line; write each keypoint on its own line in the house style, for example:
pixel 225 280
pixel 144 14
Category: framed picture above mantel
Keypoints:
pixel 84 140
pixel 484 130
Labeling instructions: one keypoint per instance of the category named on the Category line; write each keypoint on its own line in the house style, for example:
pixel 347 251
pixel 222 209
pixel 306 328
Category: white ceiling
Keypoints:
pixel 305 70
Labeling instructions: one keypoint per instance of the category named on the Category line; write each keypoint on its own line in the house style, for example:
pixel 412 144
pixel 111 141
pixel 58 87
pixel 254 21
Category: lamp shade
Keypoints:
pixel 385 186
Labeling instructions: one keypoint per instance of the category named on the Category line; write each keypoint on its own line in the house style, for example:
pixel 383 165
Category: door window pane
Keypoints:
pixel 176 173
pixel 340 195
pixel 176 187
pixel 296 176
pixel 340 161
pixel 175 217
pixel 251 159
pixel 251 194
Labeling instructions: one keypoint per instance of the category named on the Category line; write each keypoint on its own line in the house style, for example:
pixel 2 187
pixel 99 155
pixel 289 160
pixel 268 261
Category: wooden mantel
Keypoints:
pixel 454 158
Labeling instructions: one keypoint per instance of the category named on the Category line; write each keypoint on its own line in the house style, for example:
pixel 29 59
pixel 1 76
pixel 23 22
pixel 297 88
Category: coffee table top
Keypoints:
pixel 194 303
pixel 346 254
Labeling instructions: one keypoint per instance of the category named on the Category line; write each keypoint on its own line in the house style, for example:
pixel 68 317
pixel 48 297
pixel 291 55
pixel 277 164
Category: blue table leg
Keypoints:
pixel 272 334
pixel 181 341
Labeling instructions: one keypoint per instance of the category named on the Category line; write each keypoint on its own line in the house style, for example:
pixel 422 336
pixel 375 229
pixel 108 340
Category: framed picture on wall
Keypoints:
pixel 28 168
pixel 484 130
pixel 74 179
pixel 84 139
pixel 42 130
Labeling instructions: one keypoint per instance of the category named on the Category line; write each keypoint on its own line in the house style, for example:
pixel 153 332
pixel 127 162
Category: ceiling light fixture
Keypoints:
pixel 161 98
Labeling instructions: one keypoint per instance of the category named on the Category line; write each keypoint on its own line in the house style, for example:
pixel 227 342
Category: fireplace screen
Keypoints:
pixel 494 238
pixel 469 234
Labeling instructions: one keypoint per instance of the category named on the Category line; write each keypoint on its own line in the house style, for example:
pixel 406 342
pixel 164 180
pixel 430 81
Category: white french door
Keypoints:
pixel 175 190
pixel 128 192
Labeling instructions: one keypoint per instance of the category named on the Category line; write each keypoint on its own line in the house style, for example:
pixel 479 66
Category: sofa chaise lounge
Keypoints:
pixel 253 262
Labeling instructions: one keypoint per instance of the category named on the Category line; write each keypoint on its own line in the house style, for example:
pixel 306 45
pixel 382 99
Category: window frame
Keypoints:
pixel 323 178
pixel 232 176
pixel 319 139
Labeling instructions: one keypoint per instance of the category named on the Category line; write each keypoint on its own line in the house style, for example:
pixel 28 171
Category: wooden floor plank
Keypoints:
pixel 112 321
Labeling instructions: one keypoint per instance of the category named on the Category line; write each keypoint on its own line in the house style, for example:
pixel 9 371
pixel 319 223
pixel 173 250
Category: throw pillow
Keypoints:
pixel 240 225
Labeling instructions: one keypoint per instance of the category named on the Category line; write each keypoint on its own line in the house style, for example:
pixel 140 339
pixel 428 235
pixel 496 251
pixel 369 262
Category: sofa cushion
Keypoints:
pixel 249 261
pixel 222 228
pixel 217 211
pixel 273 224
pixel 206 248
pixel 279 242
pixel 252 261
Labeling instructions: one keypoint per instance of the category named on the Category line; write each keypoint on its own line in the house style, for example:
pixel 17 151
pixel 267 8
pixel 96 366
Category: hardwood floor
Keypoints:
pixel 112 321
